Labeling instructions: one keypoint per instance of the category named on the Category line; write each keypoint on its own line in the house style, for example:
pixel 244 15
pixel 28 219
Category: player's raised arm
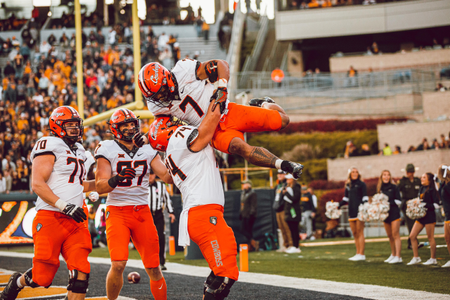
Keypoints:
pixel 206 129
pixel 213 70
pixel 159 168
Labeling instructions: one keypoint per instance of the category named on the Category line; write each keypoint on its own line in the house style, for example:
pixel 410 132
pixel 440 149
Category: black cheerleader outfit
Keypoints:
pixel 429 197
pixel 391 190
pixel 355 195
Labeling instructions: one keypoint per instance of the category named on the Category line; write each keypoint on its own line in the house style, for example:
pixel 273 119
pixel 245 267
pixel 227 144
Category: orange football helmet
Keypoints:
pixel 60 117
pixel 122 116
pixel 161 130
pixel 157 84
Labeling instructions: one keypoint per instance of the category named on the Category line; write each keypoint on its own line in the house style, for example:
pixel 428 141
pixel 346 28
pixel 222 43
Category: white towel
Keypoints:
pixel 183 233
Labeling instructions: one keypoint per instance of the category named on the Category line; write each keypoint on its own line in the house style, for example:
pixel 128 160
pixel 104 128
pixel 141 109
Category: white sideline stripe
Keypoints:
pixel 367 291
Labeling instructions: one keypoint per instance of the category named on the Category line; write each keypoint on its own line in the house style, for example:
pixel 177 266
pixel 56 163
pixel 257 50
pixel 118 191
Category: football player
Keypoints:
pixel 186 92
pixel 194 170
pixel 123 171
pixel 58 228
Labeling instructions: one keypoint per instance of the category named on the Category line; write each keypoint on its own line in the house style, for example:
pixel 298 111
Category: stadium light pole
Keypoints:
pixel 79 54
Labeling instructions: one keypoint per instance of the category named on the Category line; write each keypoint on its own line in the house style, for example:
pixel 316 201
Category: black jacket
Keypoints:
pixel 249 203
pixel 408 190
pixel 292 209
pixel 429 196
pixel 391 190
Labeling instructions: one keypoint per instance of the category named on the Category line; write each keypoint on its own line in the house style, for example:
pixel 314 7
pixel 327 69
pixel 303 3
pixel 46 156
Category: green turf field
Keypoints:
pixel 330 263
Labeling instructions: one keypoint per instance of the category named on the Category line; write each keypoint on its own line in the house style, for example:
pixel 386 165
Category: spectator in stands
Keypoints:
pixel 350 150
pixel 397 150
pixel 429 196
pixel 205 30
pixel 365 150
pixel 435 145
pixel 355 194
pixel 9 69
pixel 128 34
pixel 440 88
pixel 247 215
pixel 166 58
pixel 176 53
pixel 387 150
pixel 423 146
pixel 2 184
pixel 292 211
pixel 162 41
pixel 51 39
pixel 352 76
pixel 19 64
pixel 198 25
pixel 444 142
pixel 100 38
pixel 45 48
pixel 313 4
pixel 112 37
pixel 392 222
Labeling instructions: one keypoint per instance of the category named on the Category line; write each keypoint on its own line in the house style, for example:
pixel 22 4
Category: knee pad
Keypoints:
pixel 219 288
pixel 75 285
pixel 29 279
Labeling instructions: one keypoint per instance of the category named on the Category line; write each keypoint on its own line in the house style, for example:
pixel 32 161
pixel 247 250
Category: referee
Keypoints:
pixel 158 198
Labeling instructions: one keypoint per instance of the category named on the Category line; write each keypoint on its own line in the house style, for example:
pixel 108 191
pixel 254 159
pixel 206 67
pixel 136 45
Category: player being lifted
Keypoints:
pixel 194 170
pixel 58 228
pixel 123 171
pixel 186 92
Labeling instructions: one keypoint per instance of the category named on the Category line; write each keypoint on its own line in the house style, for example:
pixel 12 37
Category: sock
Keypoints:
pixel 18 283
pixel 286 166
pixel 278 163
pixel 159 289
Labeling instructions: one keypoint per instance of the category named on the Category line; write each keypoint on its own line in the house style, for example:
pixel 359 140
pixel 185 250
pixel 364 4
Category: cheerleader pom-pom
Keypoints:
pixel 415 209
pixel 332 210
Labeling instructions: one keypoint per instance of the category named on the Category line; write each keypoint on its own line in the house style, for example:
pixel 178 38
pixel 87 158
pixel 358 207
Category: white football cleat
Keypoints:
pixel 292 250
pixel 431 261
pixel 414 261
pixel 389 258
pixel 396 260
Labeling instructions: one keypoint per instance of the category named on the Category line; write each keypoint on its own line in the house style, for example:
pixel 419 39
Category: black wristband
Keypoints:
pixel 113 182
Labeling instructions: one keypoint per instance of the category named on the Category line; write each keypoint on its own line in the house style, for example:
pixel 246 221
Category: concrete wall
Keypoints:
pixel 372 166
pixel 354 20
pixel 390 61
pixel 436 104
pixel 411 134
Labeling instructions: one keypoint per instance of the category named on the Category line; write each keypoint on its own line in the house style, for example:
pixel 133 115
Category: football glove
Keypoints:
pixel 220 97
pixel 125 174
pixel 93 196
pixel 139 139
pixel 75 212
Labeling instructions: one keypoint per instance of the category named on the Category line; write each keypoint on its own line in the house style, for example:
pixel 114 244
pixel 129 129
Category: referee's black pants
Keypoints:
pixel 158 218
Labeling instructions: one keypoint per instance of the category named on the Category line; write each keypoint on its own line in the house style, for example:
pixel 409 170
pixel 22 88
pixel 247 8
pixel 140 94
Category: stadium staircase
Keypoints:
pixel 206 49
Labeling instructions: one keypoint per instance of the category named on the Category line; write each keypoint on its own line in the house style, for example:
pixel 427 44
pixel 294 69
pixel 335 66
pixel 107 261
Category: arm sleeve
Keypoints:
pixel 344 200
pixel 297 194
pixel 365 198
pixel 289 195
pixel 434 197
pixel 397 196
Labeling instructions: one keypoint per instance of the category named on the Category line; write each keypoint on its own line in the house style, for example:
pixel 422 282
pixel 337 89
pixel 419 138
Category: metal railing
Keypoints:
pixel 326 88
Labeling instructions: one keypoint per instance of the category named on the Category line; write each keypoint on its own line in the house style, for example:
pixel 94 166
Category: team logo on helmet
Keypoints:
pixel 154 134
pixel 38 227
pixel 154 78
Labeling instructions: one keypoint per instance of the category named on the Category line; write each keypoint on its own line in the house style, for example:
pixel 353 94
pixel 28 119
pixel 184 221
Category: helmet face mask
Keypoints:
pixel 121 117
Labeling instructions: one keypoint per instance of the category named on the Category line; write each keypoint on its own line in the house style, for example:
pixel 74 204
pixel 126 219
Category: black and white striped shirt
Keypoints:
pixel 158 197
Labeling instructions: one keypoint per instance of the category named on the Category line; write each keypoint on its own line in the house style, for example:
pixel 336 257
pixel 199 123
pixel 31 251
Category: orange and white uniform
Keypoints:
pixel 197 176
pixel 195 96
pixel 127 211
pixel 55 233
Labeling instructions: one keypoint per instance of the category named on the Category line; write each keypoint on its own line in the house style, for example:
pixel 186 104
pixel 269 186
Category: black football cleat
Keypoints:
pixel 297 169
pixel 259 101
pixel 11 290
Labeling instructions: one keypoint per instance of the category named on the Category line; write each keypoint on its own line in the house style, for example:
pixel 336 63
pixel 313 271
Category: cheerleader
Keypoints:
pixel 355 194
pixel 444 191
pixel 428 194
pixel 392 222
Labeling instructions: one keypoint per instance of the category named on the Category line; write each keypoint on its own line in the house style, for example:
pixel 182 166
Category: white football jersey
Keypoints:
pixel 90 160
pixel 195 95
pixel 128 192
pixel 196 174
pixel 66 179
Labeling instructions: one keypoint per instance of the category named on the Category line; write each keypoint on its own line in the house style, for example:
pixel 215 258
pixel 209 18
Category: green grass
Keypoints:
pixel 330 263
